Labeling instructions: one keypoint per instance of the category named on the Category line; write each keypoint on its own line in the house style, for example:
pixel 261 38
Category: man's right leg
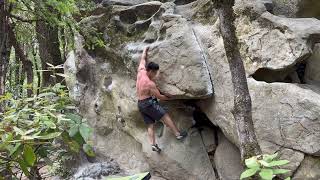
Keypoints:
pixel 152 138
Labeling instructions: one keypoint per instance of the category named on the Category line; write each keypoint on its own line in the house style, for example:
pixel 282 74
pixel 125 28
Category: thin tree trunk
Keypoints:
pixel 22 77
pixel 49 51
pixel 17 76
pixel 26 63
pixel 242 111
pixel 4 46
pixel 37 69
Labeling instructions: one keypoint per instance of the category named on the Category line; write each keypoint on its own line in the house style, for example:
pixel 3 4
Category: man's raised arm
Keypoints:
pixel 143 59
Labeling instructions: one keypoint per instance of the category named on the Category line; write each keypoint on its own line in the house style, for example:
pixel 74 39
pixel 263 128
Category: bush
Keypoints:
pixel 267 166
pixel 32 127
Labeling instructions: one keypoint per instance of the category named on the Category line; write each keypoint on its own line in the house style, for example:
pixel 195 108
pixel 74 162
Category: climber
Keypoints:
pixel 148 105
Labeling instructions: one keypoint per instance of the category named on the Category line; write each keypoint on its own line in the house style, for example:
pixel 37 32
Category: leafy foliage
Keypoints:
pixel 264 165
pixel 34 128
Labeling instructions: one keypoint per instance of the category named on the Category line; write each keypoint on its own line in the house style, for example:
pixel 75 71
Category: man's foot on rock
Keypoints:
pixel 182 135
pixel 156 148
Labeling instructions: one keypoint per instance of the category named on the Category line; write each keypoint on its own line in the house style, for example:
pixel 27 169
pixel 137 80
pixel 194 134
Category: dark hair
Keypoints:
pixel 151 66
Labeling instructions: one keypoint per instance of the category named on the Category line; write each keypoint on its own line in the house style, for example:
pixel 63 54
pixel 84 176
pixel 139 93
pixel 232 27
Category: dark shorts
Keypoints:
pixel 151 110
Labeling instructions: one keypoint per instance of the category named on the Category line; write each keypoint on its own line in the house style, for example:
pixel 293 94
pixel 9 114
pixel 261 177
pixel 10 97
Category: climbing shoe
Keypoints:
pixel 182 135
pixel 156 148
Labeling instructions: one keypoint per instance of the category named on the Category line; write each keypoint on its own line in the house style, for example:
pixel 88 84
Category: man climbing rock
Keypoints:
pixel 148 94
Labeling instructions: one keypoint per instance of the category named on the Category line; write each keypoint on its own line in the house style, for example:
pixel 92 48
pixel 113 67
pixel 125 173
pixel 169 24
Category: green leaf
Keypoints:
pixel 24 167
pixel 46 94
pixel 278 163
pixel 266 174
pixel 73 130
pixel 18 130
pixel 50 136
pixel 30 131
pixel 252 162
pixel 79 138
pixel 288 178
pixel 74 117
pixel 88 150
pixel 15 149
pixel 280 171
pixel 269 158
pixel 249 173
pixel 28 155
pixel 85 131
pixel 264 163
pixel 50 124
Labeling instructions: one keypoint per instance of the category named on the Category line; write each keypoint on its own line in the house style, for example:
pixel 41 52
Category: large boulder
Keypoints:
pixel 289 111
pixel 189 48
pixel 309 169
pixel 179 53
pixel 108 100
pixel 275 43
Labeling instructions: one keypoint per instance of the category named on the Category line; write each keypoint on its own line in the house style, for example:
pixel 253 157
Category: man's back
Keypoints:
pixel 143 85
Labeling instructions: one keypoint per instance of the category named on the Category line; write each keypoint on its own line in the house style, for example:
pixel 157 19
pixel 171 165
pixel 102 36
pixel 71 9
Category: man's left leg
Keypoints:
pixel 168 121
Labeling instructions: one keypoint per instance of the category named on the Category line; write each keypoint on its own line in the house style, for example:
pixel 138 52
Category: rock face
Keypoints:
pixel 297 8
pixel 309 169
pixel 175 34
pixel 227 160
pixel 110 104
pixel 97 170
pixel 184 39
pixel 312 72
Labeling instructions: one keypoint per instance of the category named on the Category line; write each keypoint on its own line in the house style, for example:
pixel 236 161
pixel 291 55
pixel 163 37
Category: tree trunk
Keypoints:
pixel 26 63
pixel 49 49
pixel 4 46
pixel 37 69
pixel 242 101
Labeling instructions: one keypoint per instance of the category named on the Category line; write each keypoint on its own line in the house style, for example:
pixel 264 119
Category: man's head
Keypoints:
pixel 152 70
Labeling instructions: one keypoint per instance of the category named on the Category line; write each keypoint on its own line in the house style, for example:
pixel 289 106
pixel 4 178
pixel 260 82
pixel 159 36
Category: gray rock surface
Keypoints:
pixel 297 8
pixel 209 139
pixel 109 101
pixel 188 46
pixel 97 170
pixel 175 65
pixel 309 169
pixel 312 72
pixel 227 160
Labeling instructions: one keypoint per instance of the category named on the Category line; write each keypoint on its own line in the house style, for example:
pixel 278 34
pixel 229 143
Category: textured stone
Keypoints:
pixel 109 102
pixel 188 46
pixel 179 53
pixel 227 160
pixel 297 8
pixel 309 169
pixel 312 72
pixel 97 170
